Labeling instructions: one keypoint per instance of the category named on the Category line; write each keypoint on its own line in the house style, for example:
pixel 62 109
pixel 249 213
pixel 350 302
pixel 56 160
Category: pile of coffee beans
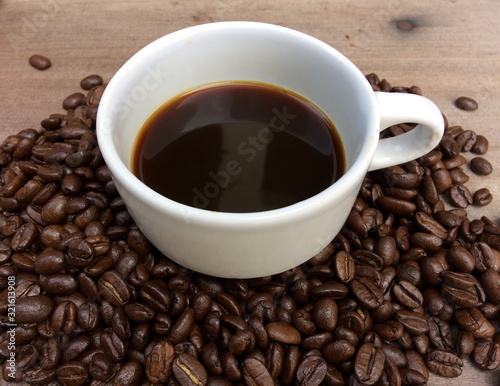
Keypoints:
pixel 409 286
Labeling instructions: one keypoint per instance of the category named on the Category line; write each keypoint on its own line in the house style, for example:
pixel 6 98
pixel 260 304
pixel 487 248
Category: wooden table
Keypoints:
pixel 452 49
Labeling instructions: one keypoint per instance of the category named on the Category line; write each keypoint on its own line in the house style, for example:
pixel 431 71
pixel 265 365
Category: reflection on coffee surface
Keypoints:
pixel 238 147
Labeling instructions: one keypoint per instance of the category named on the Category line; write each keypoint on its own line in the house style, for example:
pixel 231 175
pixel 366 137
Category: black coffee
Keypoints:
pixel 238 147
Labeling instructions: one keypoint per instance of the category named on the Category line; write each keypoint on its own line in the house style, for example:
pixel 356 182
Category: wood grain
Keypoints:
pixel 452 50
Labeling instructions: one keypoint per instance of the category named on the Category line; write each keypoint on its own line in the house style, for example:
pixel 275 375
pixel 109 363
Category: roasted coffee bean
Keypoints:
pixel 230 367
pixel 390 330
pixel 311 371
pixel 33 309
pixel 481 166
pixel 139 313
pixel 481 145
pixel 369 363
pixel 460 258
pixel 189 371
pixel 283 333
pixel 91 81
pixel 396 206
pixel 466 103
pixel 489 280
pixel 407 294
pixel 243 341
pixel 60 284
pixel 181 328
pixel 255 373
pixel 413 322
pixel 63 319
pixel 88 316
pixel 464 344
pixel 344 267
pixel 129 374
pixel 338 351
pixel 444 363
pixel 114 288
pixel 486 354
pixel 473 321
pixel 367 293
pixel 72 373
pixel 460 196
pixel 482 197
pixel 325 314
pixel 40 62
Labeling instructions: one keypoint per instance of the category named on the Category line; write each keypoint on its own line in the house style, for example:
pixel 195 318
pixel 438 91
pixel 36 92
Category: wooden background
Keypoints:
pixel 452 50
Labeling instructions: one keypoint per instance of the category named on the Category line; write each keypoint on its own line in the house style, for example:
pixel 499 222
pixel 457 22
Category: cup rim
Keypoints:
pixel 313 204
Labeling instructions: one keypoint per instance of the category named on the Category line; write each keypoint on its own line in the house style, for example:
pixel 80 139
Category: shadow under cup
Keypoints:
pixel 239 51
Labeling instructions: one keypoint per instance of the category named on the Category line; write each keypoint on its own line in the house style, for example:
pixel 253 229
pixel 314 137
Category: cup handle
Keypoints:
pixel 398 108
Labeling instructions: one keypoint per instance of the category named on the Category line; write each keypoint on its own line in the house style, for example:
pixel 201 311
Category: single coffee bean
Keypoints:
pixel 473 321
pixel 189 371
pixel 33 309
pixel 407 294
pixel 460 196
pixel 130 373
pixel 369 363
pixel 72 373
pixel 283 333
pixel 367 293
pixel 40 62
pixel 325 314
pixel 230 367
pixel 91 81
pixel 464 344
pixel 114 288
pixel 490 280
pixel 482 197
pixel 413 322
pixel 390 330
pixel 486 354
pixel 311 371
pixel 338 351
pixel 255 373
pixel 444 363
pixel 481 145
pixel 395 205
pixel 243 341
pixel 466 103
pixel 159 362
pixel 481 166
pixel 63 319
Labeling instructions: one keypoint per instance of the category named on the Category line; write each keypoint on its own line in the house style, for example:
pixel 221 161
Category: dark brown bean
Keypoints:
pixel 481 166
pixel 471 320
pixel 33 309
pixel 481 145
pixel 189 371
pixel 283 333
pixel 91 81
pixel 466 103
pixel 444 363
pixel 486 354
pixel 369 363
pixel 460 196
pixel 40 62
pixel 159 362
pixel 311 371
pixel 72 373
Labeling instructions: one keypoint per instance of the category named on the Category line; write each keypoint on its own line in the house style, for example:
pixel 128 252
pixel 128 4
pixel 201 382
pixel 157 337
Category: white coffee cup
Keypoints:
pixel 245 245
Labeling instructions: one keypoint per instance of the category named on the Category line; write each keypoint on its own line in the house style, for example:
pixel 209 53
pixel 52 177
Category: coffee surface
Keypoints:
pixel 238 147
